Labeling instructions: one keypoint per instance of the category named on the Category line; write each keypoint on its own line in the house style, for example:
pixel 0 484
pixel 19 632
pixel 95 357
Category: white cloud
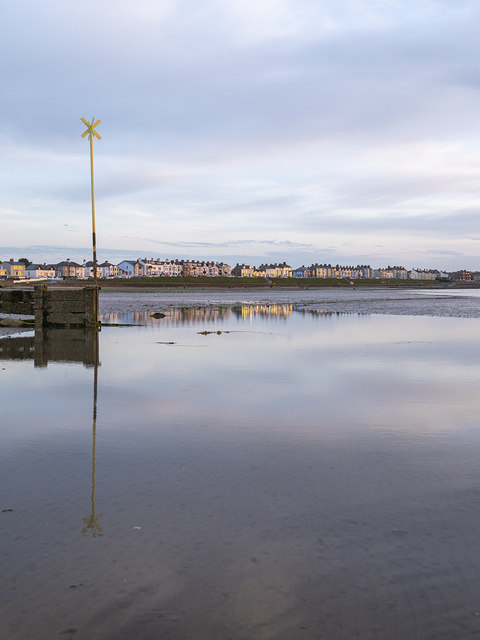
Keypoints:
pixel 337 125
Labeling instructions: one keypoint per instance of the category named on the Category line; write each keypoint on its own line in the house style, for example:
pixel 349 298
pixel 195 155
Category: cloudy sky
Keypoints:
pixel 243 130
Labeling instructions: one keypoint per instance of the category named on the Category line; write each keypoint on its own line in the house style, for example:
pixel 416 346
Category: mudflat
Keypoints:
pixel 253 468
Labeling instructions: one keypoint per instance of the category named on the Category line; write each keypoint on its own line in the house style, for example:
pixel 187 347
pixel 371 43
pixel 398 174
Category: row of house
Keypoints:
pixel 69 269
pixel 337 271
pixel 149 267
pixel 65 269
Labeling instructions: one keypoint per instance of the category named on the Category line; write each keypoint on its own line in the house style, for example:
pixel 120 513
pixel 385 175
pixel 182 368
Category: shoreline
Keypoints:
pixel 229 284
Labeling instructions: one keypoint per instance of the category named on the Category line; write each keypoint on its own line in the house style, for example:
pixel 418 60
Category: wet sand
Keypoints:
pixel 310 545
pixel 295 476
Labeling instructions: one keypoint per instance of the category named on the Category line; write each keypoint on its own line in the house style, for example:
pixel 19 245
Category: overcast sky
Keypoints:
pixel 254 130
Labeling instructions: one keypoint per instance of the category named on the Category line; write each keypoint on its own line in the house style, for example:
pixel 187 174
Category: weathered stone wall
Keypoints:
pixel 65 307
pixel 53 307
pixel 18 301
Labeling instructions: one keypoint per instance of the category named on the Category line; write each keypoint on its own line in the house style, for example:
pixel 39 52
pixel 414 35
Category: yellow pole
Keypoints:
pixel 94 238
pixel 91 132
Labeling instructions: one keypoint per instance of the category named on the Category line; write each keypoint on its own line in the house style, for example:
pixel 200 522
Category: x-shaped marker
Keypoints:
pixel 90 128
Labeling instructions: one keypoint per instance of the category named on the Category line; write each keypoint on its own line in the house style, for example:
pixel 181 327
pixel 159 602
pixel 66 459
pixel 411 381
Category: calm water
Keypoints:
pixel 301 474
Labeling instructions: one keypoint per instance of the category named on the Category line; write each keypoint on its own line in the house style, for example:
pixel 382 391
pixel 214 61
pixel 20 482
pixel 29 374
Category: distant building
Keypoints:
pixel 131 268
pixel 205 269
pixel 365 271
pixel 224 269
pixel 424 274
pixel 40 271
pixel 88 266
pixel 386 273
pixel 172 268
pixel 460 276
pixel 320 270
pixel 12 269
pixel 300 272
pixel 108 270
pixel 69 270
pixel 399 273
pixel 282 270
pixel 243 271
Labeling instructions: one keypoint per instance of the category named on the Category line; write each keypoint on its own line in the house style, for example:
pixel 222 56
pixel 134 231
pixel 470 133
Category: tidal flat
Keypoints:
pixel 257 465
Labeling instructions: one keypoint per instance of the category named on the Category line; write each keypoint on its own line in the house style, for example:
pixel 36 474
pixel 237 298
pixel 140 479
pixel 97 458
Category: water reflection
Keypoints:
pixel 68 346
pixel 290 483
pixel 210 314
pixel 92 525
pixel 53 345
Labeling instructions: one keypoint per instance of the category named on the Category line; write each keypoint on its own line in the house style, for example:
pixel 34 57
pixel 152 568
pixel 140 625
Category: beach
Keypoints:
pixel 265 465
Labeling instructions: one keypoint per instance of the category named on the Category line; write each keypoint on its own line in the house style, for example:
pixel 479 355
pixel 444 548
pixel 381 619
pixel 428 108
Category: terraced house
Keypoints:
pixel 12 269
pixel 339 271
pixel 40 271
pixel 150 267
pixel 282 270
pixel 69 269
pixel 109 270
pixel 243 271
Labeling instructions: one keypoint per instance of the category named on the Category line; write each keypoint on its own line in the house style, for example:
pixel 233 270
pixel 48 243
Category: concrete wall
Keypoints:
pixel 53 306
pixel 18 301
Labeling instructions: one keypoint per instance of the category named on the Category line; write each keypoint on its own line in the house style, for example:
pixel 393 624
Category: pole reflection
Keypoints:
pixel 92 526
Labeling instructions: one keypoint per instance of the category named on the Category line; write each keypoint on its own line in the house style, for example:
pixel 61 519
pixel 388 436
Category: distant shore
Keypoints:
pixel 219 283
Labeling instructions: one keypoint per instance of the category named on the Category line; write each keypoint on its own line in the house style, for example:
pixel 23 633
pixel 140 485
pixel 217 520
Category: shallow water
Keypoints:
pixel 298 475
pixel 393 301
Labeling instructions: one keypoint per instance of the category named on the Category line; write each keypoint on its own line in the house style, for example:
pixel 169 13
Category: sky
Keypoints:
pixel 342 131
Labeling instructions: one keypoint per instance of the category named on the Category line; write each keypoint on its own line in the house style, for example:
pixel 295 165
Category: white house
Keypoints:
pixel 40 271
pixel 109 270
pixel 131 268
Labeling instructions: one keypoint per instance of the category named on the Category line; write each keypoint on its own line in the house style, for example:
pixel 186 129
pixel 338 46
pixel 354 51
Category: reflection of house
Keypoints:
pixel 40 271
pixel 271 310
pixel 69 269
pixel 172 317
